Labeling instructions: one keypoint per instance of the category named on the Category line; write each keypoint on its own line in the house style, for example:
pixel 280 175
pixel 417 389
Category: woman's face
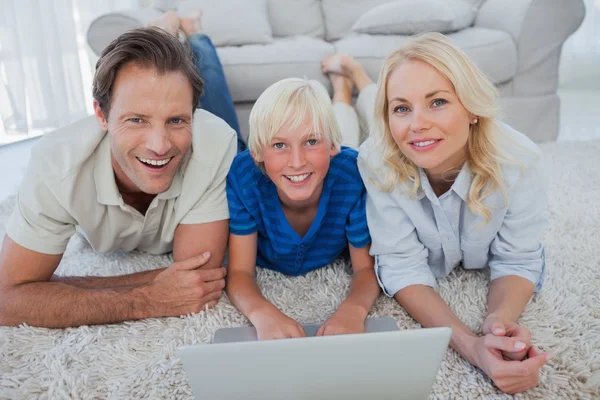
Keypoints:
pixel 426 118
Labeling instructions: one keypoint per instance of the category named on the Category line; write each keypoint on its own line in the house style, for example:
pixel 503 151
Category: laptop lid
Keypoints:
pixel 385 365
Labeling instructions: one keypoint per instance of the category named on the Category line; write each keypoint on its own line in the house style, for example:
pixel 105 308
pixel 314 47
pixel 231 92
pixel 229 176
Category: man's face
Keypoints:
pixel 150 127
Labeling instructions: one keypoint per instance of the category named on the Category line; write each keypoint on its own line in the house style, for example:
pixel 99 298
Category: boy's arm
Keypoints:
pixel 364 290
pixel 245 294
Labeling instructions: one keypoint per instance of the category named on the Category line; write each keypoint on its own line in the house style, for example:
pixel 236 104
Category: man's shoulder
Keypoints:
pixel 65 150
pixel 212 138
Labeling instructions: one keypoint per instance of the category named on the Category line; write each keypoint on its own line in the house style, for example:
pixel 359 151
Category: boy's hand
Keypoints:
pixel 273 324
pixel 345 320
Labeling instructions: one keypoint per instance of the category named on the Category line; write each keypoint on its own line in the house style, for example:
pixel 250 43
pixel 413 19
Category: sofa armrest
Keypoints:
pixel 539 29
pixel 110 26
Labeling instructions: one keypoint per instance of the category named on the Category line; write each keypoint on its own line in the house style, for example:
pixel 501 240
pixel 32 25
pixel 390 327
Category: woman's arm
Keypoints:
pixel 245 294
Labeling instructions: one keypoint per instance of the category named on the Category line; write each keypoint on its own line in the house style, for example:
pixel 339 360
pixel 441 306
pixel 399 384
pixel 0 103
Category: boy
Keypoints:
pixel 296 202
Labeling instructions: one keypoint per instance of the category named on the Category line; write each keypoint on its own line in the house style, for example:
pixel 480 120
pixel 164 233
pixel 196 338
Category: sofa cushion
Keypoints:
pixel 251 69
pixel 493 51
pixel 110 26
pixel 221 20
pixel 296 17
pixel 340 15
pixel 406 17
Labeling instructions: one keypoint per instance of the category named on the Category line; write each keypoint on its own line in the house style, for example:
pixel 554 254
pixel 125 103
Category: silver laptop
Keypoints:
pixel 248 333
pixel 378 365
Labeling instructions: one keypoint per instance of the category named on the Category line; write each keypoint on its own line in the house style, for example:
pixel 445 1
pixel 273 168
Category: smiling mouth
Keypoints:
pixel 155 163
pixel 425 143
pixel 298 178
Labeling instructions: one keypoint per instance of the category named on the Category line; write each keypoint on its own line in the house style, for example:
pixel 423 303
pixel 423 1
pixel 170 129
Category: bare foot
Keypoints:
pixel 342 88
pixel 169 22
pixel 192 23
pixel 345 64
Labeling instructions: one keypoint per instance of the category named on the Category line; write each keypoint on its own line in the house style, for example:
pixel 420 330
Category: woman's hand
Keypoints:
pixel 500 327
pixel 508 375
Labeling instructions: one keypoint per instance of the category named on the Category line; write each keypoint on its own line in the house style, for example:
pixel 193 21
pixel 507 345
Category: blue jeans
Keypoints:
pixel 216 98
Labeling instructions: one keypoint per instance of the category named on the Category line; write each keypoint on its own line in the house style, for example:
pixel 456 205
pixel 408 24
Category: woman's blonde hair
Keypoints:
pixel 288 103
pixel 477 94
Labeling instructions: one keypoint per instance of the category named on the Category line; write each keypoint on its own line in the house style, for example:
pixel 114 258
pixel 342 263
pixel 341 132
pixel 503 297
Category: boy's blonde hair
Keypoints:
pixel 477 94
pixel 288 103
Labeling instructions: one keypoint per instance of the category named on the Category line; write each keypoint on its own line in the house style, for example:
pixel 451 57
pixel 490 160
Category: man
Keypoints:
pixel 147 172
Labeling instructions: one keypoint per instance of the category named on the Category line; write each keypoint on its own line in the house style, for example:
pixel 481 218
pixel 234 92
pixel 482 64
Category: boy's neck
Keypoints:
pixel 300 215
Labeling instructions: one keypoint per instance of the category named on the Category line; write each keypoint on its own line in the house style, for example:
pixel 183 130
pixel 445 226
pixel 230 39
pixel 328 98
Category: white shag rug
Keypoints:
pixel 140 359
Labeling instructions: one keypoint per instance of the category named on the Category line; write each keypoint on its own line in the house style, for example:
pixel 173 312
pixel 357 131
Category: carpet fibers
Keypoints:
pixel 140 359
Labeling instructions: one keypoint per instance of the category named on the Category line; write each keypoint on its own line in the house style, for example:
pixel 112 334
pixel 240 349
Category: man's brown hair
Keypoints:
pixel 146 47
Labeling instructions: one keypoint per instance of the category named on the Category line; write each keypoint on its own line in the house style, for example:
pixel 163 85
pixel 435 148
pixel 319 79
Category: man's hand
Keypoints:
pixel 500 327
pixel 186 288
pixel 509 376
pixel 273 324
pixel 344 320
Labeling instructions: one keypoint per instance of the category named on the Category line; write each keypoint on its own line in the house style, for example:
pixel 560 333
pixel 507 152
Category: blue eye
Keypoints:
pixel 312 142
pixel 401 109
pixel 176 120
pixel 439 102
pixel 278 145
pixel 135 120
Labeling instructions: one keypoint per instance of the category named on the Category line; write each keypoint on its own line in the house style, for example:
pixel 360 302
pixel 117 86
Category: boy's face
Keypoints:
pixel 297 162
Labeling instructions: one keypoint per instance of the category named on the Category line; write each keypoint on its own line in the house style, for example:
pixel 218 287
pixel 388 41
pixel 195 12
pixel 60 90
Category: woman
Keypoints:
pixel 450 185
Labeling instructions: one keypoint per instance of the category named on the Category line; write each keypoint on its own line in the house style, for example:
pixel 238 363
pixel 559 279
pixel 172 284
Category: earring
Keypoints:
pixel 475 120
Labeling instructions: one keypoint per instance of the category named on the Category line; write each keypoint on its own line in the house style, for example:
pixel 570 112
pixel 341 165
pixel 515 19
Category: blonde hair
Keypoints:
pixel 288 103
pixel 476 93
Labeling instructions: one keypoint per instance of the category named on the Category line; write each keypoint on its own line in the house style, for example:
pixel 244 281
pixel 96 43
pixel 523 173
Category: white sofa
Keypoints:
pixel 517 43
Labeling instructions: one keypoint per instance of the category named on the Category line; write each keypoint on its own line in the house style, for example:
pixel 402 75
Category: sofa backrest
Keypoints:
pixel 296 17
pixel 340 15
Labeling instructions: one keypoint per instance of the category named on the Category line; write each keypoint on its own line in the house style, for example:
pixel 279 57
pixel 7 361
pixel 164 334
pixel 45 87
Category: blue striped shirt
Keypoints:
pixel 254 206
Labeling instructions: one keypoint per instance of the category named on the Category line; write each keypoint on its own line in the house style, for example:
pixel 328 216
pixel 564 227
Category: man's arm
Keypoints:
pixel 27 295
pixel 193 239
pixel 100 282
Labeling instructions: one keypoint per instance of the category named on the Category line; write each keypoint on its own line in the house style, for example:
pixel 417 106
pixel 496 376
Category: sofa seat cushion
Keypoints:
pixel 493 51
pixel 250 69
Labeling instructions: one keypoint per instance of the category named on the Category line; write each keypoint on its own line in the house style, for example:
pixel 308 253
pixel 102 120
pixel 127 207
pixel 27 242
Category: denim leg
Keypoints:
pixel 216 98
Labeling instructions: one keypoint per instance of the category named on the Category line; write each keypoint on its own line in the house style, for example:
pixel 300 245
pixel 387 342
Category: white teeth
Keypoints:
pixel 297 178
pixel 158 163
pixel 423 144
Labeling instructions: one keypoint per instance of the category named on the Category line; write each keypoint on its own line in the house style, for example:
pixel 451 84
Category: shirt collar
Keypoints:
pixel 461 184
pixel 107 191
pixel 104 176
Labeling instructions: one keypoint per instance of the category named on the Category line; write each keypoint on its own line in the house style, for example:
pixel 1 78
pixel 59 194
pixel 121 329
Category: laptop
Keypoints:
pixel 373 365
pixel 248 333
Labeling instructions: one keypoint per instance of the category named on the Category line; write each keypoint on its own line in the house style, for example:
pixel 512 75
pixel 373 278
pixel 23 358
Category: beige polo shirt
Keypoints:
pixel 70 185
